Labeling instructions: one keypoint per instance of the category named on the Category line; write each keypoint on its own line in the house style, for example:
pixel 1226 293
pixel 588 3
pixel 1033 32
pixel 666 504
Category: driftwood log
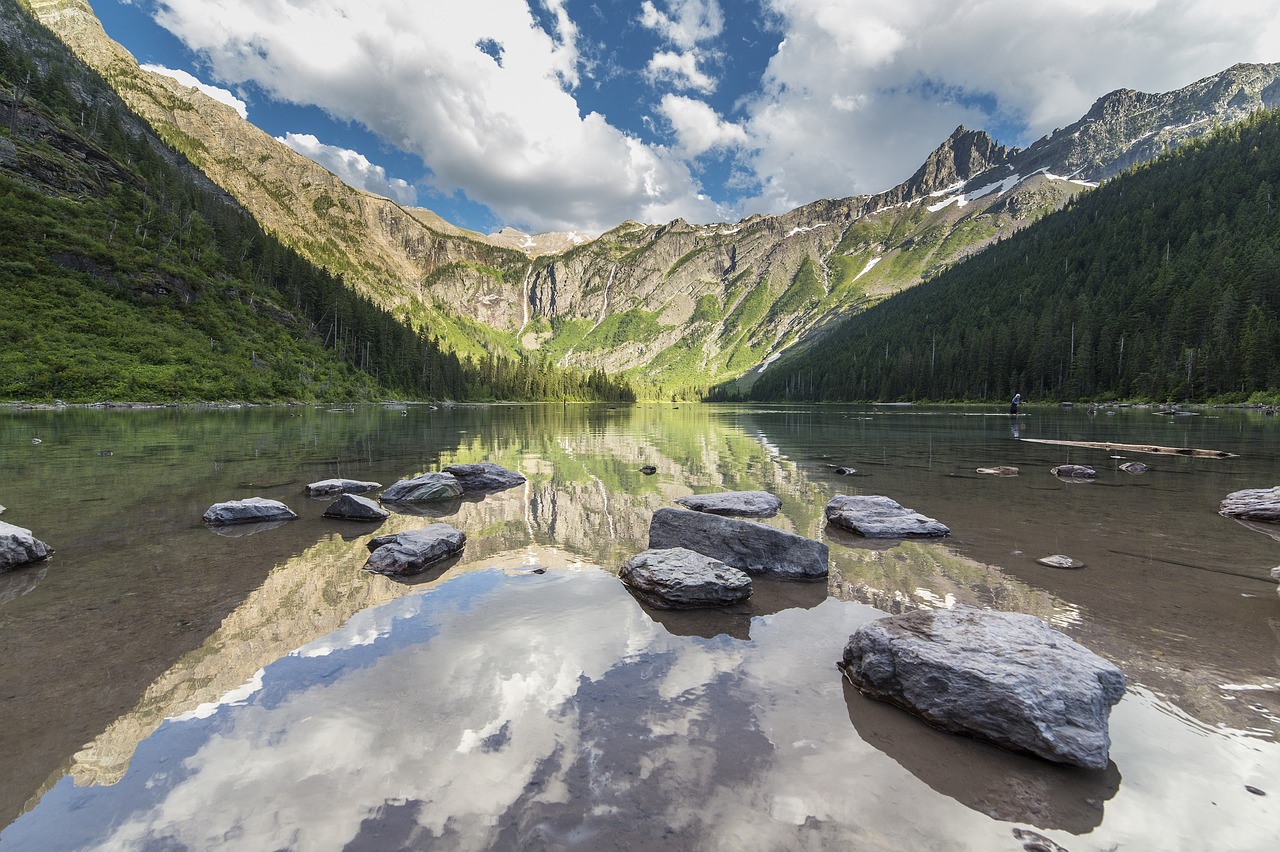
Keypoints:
pixel 1137 448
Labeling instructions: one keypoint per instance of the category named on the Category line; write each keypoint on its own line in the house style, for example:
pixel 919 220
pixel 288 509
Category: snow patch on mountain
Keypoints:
pixel 871 264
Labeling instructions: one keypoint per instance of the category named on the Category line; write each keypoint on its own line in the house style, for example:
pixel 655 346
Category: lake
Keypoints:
pixel 166 687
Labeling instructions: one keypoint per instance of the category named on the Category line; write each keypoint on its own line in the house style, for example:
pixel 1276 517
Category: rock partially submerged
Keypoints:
pixel 484 477
pixel 1059 560
pixel 1134 468
pixel 329 487
pixel 881 517
pixel 743 504
pixel 427 488
pixel 1074 472
pixel 648 470
pixel 1003 677
pixel 352 507
pixel 19 547
pixel 1253 504
pixel 999 470
pixel 253 510
pixel 679 578
pixel 407 553
pixel 745 545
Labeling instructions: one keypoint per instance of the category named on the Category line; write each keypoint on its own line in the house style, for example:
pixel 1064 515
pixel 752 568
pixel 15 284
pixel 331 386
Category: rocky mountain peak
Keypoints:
pixel 964 154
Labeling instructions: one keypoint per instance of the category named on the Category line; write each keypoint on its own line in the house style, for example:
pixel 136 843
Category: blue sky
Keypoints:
pixel 580 114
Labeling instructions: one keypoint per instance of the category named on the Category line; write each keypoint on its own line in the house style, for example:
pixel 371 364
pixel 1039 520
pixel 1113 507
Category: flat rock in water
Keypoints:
pixel 999 470
pixel 1057 560
pixel 745 545
pixel 1253 504
pixel 485 476
pixel 252 510
pixel 405 553
pixel 1134 468
pixel 744 504
pixel 880 517
pixel 1074 471
pixel 19 547
pixel 679 578
pixel 999 676
pixel 352 507
pixel 328 487
pixel 427 488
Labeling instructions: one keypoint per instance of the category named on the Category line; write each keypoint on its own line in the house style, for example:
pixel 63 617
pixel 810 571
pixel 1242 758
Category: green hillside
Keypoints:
pixel 1163 284
pixel 125 274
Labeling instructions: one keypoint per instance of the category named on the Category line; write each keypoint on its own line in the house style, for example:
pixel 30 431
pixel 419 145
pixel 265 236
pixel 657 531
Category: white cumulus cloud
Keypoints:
pixel 353 168
pixel 511 135
pixel 687 22
pixel 679 69
pixel 697 126
pixel 218 94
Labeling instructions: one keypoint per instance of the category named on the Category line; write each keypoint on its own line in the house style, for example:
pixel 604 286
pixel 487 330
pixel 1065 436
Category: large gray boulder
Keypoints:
pixel 1252 504
pixel 406 553
pixel 427 488
pixel 881 517
pixel 679 578
pixel 999 676
pixel 353 507
pixel 744 504
pixel 329 487
pixel 252 510
pixel 484 477
pixel 745 545
pixel 19 547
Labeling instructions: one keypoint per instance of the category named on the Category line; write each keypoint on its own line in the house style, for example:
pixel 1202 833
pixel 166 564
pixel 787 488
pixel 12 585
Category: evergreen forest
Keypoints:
pixel 1161 285
pixel 125 274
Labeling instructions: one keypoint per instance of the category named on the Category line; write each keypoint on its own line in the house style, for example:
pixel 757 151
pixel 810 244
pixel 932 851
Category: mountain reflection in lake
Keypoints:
pixel 170 688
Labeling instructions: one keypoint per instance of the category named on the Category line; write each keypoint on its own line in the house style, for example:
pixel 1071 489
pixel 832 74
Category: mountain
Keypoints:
pixel 1163 284
pixel 128 274
pixel 677 306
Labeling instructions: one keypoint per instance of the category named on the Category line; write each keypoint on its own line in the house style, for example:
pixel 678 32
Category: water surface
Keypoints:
pixel 166 687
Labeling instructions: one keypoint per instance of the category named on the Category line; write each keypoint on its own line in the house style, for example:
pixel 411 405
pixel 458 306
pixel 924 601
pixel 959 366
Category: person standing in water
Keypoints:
pixel 1013 405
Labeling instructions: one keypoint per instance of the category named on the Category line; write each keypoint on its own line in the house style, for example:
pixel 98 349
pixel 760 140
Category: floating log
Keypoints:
pixel 1137 448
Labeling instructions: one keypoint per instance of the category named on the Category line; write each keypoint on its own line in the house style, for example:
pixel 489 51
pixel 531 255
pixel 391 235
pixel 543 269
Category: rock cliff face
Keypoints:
pixel 680 305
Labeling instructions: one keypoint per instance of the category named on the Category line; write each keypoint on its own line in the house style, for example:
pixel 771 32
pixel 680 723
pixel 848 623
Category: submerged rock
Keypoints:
pixel 427 488
pixel 406 553
pixel 328 487
pixel 484 477
pixel 1134 468
pixel 1078 472
pixel 1252 504
pixel 745 545
pixel 999 676
pixel 679 578
pixel 881 517
pixel 352 507
pixel 999 470
pixel 744 504
pixel 19 547
pixel 252 510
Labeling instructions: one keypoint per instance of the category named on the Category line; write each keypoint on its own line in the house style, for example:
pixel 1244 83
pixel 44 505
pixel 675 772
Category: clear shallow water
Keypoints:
pixel 165 687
